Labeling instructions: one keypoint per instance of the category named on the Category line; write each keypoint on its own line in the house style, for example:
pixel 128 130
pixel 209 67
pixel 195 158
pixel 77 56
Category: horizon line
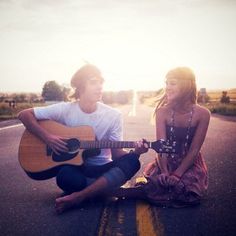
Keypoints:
pixel 106 90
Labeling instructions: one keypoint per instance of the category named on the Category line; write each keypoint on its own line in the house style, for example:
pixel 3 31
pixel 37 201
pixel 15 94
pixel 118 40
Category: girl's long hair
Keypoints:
pixel 186 80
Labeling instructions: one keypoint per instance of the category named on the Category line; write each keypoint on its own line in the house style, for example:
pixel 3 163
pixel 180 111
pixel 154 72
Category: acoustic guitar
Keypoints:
pixel 40 162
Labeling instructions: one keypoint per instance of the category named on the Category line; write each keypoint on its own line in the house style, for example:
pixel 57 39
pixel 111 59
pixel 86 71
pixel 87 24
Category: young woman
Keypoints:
pixel 180 179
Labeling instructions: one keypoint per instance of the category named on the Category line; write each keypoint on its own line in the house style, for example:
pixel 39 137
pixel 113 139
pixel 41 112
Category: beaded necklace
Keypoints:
pixel 172 131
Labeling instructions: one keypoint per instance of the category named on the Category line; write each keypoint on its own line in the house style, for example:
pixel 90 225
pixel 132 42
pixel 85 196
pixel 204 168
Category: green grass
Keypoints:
pixel 214 107
pixel 216 94
pixel 222 109
pixel 7 112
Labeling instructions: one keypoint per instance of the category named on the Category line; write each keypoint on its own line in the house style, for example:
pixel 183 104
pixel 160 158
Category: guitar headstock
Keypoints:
pixel 165 146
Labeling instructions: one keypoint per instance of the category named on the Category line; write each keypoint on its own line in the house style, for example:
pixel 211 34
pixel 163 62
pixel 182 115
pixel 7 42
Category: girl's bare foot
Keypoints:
pixel 64 203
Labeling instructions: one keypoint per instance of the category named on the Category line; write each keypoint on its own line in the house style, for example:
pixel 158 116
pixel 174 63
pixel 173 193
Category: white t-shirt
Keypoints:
pixel 105 121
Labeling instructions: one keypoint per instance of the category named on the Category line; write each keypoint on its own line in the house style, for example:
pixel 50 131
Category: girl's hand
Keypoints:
pixel 173 180
pixel 164 179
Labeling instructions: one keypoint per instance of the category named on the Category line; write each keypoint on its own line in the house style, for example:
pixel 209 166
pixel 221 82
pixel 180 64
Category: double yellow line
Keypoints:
pixel 147 221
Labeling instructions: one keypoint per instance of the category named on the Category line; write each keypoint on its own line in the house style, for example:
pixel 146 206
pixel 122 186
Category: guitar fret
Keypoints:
pixel 109 144
pixel 106 144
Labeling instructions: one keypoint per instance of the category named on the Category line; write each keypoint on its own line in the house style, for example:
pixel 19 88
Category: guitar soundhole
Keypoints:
pixel 73 146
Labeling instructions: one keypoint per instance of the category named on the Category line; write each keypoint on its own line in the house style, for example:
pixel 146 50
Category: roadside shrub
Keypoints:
pixel 223 109
pixel 224 98
pixel 5 109
pixel 7 112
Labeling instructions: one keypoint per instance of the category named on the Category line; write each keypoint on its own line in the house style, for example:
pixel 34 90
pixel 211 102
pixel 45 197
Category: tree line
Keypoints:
pixel 52 91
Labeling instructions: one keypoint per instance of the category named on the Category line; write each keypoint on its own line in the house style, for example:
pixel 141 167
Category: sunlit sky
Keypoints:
pixel 133 42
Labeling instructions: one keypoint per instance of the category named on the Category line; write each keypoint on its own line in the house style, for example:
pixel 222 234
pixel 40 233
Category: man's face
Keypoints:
pixel 93 89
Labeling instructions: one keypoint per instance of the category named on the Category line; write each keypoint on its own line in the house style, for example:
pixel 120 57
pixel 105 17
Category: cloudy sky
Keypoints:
pixel 134 42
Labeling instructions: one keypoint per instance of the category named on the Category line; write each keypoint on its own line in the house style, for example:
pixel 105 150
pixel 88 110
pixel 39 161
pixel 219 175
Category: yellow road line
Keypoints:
pixel 111 221
pixel 147 222
pixel 103 223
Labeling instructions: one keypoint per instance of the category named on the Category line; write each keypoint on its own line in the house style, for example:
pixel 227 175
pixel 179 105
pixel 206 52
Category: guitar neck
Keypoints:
pixel 107 144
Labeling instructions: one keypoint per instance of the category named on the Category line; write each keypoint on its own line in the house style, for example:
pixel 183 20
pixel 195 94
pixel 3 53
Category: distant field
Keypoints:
pixel 216 94
pixel 213 104
pixel 148 98
pixel 7 112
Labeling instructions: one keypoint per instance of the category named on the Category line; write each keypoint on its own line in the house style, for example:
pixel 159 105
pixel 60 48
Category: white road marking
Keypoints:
pixel 134 104
pixel 9 127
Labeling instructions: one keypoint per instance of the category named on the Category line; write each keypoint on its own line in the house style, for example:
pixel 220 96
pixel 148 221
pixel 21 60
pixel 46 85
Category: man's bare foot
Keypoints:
pixel 64 203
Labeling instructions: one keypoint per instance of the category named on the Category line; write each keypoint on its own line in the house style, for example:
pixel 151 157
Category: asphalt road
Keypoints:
pixel 27 206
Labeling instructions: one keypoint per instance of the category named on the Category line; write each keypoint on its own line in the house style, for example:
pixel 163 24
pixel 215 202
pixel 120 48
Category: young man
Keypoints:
pixel 99 174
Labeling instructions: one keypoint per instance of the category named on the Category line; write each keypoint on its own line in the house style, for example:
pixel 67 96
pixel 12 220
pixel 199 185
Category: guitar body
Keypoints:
pixel 40 162
pixel 35 158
